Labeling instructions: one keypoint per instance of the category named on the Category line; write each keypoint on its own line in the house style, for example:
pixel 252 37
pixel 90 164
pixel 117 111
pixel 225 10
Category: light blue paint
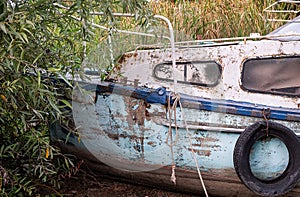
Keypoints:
pixel 112 133
pixel 269 158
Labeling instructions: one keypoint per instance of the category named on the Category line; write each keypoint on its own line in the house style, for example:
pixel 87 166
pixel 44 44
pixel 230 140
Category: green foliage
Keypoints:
pixel 28 100
pixel 208 19
pixel 39 43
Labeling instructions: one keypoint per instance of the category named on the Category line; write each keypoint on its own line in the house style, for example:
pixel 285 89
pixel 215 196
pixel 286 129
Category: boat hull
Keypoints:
pixel 140 135
pixel 187 181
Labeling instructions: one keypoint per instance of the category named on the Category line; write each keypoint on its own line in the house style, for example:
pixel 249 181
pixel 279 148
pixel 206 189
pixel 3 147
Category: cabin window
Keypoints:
pixel 272 75
pixel 204 73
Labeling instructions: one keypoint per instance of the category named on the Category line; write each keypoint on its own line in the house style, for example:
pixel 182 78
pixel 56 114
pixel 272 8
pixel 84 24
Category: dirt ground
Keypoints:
pixel 84 184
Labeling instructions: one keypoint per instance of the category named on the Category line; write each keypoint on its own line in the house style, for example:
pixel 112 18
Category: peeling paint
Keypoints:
pixel 127 124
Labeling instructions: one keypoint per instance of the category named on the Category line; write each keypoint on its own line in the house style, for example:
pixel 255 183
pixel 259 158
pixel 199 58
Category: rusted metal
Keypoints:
pixel 266 115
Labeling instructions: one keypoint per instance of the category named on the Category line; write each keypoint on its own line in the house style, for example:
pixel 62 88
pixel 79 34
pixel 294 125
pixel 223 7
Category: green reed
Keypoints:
pixel 206 19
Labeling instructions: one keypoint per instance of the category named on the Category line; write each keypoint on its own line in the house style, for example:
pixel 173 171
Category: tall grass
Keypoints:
pixel 206 19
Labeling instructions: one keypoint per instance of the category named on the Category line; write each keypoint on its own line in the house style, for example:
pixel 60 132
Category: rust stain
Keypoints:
pixel 206 153
pixel 120 62
pixel 155 114
pixel 137 112
pixel 114 136
pixel 154 56
pixel 125 56
pixel 201 145
pixel 206 139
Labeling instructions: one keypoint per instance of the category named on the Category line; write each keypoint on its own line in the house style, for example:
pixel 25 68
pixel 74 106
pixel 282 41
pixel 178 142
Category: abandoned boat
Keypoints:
pixel 205 117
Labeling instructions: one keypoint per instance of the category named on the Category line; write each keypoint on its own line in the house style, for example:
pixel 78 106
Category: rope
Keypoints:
pixel 176 98
pixel 170 109
pixel 170 136
pixel 193 153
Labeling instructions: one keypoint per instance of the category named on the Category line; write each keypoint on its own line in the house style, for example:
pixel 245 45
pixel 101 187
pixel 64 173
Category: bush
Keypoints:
pixel 39 43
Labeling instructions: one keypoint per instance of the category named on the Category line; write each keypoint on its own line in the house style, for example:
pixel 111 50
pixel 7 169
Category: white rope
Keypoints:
pixel 193 153
pixel 170 109
pixel 176 98
pixel 173 176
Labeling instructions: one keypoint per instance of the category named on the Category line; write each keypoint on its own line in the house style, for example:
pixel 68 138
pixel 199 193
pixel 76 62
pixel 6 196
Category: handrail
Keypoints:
pixel 240 38
pixel 166 20
pixel 270 10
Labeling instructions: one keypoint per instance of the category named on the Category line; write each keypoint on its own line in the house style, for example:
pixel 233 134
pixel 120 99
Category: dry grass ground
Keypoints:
pixel 86 185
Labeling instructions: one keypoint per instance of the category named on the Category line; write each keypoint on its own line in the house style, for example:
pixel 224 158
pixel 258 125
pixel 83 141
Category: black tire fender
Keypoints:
pixel 288 179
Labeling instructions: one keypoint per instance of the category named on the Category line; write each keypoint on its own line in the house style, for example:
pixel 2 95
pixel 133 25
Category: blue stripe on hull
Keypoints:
pixel 160 96
pixel 243 108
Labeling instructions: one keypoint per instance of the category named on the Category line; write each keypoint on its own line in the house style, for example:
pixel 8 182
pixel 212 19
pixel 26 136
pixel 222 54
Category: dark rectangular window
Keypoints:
pixel 278 75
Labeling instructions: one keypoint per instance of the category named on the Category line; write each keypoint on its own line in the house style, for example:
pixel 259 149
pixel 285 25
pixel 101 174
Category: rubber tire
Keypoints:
pixel 290 177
